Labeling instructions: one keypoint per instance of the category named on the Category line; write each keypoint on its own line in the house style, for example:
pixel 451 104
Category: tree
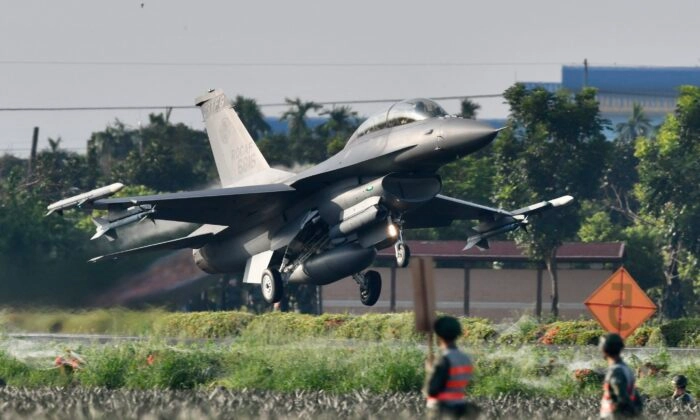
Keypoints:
pixel 307 147
pixel 669 175
pixel 553 146
pixel 637 125
pixel 160 155
pixel 469 109
pixel 341 123
pixel 252 117
pixel 296 116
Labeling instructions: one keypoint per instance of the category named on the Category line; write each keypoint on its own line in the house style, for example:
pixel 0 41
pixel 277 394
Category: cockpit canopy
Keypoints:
pixel 399 114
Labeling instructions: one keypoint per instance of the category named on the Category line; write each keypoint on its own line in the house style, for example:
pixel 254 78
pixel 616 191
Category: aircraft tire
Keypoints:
pixel 271 285
pixel 372 288
pixel 403 255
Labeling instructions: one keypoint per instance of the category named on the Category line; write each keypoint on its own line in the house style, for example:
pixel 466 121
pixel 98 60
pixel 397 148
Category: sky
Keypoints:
pixel 73 53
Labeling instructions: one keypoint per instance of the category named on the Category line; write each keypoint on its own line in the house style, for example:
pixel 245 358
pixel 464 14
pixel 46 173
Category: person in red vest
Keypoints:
pixel 449 378
pixel 620 396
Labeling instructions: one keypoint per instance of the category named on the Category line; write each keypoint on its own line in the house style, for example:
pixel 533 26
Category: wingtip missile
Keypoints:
pixel 561 201
pixel 85 198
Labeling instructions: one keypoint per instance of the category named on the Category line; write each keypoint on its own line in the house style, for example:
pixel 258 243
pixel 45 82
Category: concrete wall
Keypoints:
pixel 493 294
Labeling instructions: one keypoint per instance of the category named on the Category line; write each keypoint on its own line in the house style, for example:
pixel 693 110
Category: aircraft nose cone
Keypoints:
pixel 465 136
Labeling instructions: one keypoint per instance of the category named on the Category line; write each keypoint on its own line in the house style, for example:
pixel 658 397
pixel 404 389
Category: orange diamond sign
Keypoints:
pixel 620 305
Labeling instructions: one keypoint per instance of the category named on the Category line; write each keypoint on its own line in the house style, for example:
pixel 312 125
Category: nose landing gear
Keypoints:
pixel 370 284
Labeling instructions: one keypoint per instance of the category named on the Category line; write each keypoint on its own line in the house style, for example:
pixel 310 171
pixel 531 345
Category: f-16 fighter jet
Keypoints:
pixel 327 222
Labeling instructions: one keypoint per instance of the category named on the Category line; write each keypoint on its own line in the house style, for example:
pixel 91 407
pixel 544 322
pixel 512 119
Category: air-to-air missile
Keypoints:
pixel 80 199
pixel 107 227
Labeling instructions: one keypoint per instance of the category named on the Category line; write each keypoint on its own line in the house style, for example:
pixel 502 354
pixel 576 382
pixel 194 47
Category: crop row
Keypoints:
pixel 72 403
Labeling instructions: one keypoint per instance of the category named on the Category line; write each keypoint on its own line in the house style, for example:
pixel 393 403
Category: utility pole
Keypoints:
pixel 32 154
pixel 585 72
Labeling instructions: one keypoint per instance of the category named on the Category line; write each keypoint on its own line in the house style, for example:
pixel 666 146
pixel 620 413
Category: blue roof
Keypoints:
pixel 661 81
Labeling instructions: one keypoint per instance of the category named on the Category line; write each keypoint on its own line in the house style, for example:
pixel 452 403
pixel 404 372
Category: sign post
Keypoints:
pixel 424 298
pixel 620 305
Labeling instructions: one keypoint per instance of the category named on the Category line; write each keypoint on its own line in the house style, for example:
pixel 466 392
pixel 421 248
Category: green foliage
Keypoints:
pixel 274 328
pixel 96 321
pixel 251 116
pixel 476 331
pixel 469 108
pixel 554 146
pixel 646 335
pixel 579 333
pixel 202 324
pixel 681 332
pixel 374 367
pixel 598 228
pixel 669 175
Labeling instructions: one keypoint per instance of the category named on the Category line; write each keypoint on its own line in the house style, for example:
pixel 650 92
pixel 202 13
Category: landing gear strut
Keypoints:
pixel 271 285
pixel 370 286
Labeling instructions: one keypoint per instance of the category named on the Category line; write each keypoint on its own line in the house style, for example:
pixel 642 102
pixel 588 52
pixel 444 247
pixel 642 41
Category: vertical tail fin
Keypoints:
pixel 235 152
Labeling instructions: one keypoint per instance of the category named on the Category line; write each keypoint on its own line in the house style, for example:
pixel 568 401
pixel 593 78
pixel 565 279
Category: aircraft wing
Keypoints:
pixel 223 206
pixel 442 211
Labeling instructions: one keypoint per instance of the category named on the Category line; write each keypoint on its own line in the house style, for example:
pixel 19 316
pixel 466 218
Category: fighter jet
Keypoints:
pixel 327 222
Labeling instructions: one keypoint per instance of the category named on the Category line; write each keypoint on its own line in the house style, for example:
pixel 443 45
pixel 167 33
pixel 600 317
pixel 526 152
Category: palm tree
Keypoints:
pixel 296 116
pixel 469 109
pixel 637 125
pixel 251 116
pixel 341 121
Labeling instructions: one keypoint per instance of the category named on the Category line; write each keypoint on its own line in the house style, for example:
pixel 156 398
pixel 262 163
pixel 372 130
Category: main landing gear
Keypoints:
pixel 370 283
pixel 271 285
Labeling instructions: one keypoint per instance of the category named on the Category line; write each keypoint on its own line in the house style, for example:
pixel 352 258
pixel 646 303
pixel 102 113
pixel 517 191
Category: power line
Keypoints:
pixel 281 63
pixel 263 105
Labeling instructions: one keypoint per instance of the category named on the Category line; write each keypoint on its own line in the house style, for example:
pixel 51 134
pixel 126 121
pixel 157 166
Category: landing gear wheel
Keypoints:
pixel 271 285
pixel 403 254
pixel 371 288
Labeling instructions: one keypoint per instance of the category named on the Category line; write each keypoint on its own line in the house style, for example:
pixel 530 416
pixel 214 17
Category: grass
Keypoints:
pixel 337 353
pixel 338 367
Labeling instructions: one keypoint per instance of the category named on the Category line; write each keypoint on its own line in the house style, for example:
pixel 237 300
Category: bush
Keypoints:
pixel 202 324
pixel 476 331
pixel 681 332
pixel 579 333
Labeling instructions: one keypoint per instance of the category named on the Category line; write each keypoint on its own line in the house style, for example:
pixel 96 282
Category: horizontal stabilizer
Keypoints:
pixel 180 243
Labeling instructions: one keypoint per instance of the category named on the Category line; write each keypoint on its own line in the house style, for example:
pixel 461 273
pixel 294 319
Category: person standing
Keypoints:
pixel 620 396
pixel 449 378
pixel 680 394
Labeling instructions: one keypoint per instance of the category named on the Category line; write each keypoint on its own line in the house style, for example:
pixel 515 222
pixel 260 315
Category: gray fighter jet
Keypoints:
pixel 327 222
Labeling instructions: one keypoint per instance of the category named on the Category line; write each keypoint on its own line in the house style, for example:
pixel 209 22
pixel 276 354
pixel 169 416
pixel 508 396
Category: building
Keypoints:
pixel 655 88
pixel 499 283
